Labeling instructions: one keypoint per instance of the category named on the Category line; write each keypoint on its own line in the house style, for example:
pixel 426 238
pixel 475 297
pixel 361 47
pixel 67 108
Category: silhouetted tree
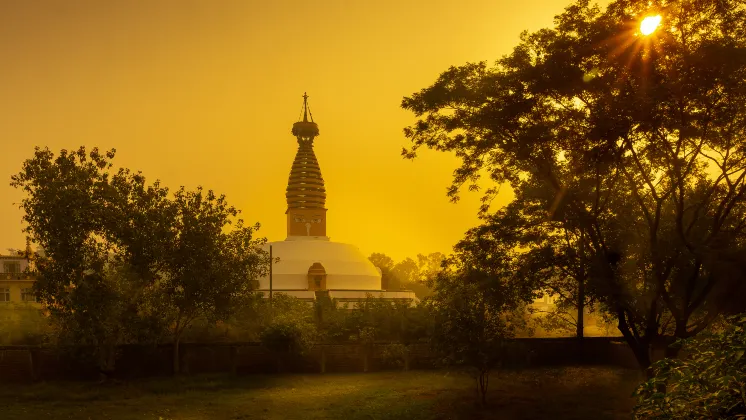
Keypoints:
pixel 470 328
pixel 122 260
pixel 386 264
pixel 288 328
pixel 639 140
pixel 101 247
pixel 207 271
pixel 408 273
pixel 543 255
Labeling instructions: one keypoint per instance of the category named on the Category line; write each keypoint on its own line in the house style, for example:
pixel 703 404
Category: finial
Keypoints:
pixel 306 130
pixel 305 107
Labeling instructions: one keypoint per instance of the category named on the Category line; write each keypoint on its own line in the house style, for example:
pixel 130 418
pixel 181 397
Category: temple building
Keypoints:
pixel 310 265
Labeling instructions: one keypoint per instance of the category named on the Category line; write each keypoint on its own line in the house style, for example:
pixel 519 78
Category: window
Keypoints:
pixel 12 267
pixel 4 295
pixel 317 282
pixel 27 295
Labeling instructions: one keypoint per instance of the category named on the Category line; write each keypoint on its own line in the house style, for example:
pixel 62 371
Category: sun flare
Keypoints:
pixel 650 24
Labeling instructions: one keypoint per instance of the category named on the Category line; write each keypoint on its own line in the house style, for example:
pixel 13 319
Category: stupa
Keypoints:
pixel 310 265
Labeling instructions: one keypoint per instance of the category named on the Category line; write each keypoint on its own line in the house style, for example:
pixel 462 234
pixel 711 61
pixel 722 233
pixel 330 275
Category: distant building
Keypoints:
pixel 16 283
pixel 311 266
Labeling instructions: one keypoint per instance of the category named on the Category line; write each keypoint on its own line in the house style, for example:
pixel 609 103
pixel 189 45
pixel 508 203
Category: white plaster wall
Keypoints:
pixel 346 267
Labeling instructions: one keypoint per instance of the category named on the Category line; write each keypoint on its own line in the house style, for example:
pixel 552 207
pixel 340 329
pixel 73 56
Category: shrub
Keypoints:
pixel 288 335
pixel 23 324
pixel 393 355
pixel 709 383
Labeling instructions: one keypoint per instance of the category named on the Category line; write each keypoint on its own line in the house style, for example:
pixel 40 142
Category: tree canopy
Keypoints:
pixel 637 141
pixel 124 260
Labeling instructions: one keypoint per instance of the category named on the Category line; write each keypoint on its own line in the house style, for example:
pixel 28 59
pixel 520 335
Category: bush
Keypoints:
pixel 393 355
pixel 709 383
pixel 23 324
pixel 288 335
pixel 288 326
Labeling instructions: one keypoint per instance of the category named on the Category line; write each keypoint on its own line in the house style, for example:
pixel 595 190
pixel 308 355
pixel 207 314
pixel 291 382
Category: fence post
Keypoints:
pixel 184 359
pixel 34 364
pixel 234 361
pixel 323 359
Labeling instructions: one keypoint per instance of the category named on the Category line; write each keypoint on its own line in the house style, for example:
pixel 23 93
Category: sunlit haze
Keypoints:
pixel 650 24
pixel 205 93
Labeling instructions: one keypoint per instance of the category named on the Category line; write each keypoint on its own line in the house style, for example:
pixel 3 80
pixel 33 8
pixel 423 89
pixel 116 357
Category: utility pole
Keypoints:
pixel 271 263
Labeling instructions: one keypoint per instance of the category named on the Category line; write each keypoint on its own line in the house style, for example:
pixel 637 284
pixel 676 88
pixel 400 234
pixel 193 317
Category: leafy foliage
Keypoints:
pixel 122 260
pixel 471 328
pixel 409 274
pixel 291 329
pixel 635 141
pixel 393 355
pixel 207 271
pixel 709 383
pixel 100 246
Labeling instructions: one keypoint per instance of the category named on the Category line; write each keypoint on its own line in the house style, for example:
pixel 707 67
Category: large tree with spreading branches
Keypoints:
pixel 640 140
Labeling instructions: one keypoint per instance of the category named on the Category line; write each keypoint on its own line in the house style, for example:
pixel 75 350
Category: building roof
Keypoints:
pixel 297 256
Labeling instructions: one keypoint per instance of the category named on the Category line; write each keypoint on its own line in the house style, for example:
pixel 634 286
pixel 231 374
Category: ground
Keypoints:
pixel 561 393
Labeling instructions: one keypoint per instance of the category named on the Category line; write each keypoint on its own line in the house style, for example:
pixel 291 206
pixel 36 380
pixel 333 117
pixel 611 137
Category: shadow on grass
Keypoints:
pixel 162 386
pixel 563 393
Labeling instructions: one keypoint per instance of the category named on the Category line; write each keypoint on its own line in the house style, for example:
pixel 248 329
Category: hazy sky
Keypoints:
pixel 206 92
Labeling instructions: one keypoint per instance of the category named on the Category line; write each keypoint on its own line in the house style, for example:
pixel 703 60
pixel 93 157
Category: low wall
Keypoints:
pixel 32 363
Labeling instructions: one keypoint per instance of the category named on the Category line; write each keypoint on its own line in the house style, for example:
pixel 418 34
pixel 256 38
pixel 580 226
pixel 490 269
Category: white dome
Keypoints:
pixel 346 267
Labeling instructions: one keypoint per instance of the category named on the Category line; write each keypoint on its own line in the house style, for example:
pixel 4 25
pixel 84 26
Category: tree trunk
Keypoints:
pixel 106 360
pixel 640 347
pixel 581 287
pixel 484 380
pixel 176 355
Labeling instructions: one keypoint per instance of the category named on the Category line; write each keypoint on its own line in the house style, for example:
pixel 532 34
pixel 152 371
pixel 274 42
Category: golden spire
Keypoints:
pixel 306 186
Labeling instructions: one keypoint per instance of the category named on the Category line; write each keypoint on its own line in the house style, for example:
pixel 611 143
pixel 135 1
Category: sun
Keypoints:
pixel 650 24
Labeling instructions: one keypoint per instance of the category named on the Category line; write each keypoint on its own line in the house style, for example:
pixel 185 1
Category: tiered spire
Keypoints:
pixel 306 186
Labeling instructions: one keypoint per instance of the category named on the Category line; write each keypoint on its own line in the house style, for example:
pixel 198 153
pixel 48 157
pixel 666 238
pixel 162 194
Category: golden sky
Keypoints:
pixel 206 92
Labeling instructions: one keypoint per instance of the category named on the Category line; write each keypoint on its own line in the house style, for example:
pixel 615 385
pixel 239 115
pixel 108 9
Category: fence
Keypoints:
pixel 33 363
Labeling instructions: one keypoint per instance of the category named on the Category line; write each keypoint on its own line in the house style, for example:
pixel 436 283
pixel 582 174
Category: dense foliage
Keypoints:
pixel 409 274
pixel 125 262
pixel 635 141
pixel 710 382
pixel 289 327
pixel 471 328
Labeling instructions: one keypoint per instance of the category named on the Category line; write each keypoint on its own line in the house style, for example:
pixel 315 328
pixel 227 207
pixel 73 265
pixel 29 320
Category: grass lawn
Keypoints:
pixel 561 393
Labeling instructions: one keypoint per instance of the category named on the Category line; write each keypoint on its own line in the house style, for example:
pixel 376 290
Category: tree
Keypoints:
pixel 409 273
pixel 405 272
pixel 122 260
pixel 429 266
pixel 386 265
pixel 639 139
pixel 91 276
pixel 207 271
pixel 289 328
pixel 544 255
pixel 471 328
